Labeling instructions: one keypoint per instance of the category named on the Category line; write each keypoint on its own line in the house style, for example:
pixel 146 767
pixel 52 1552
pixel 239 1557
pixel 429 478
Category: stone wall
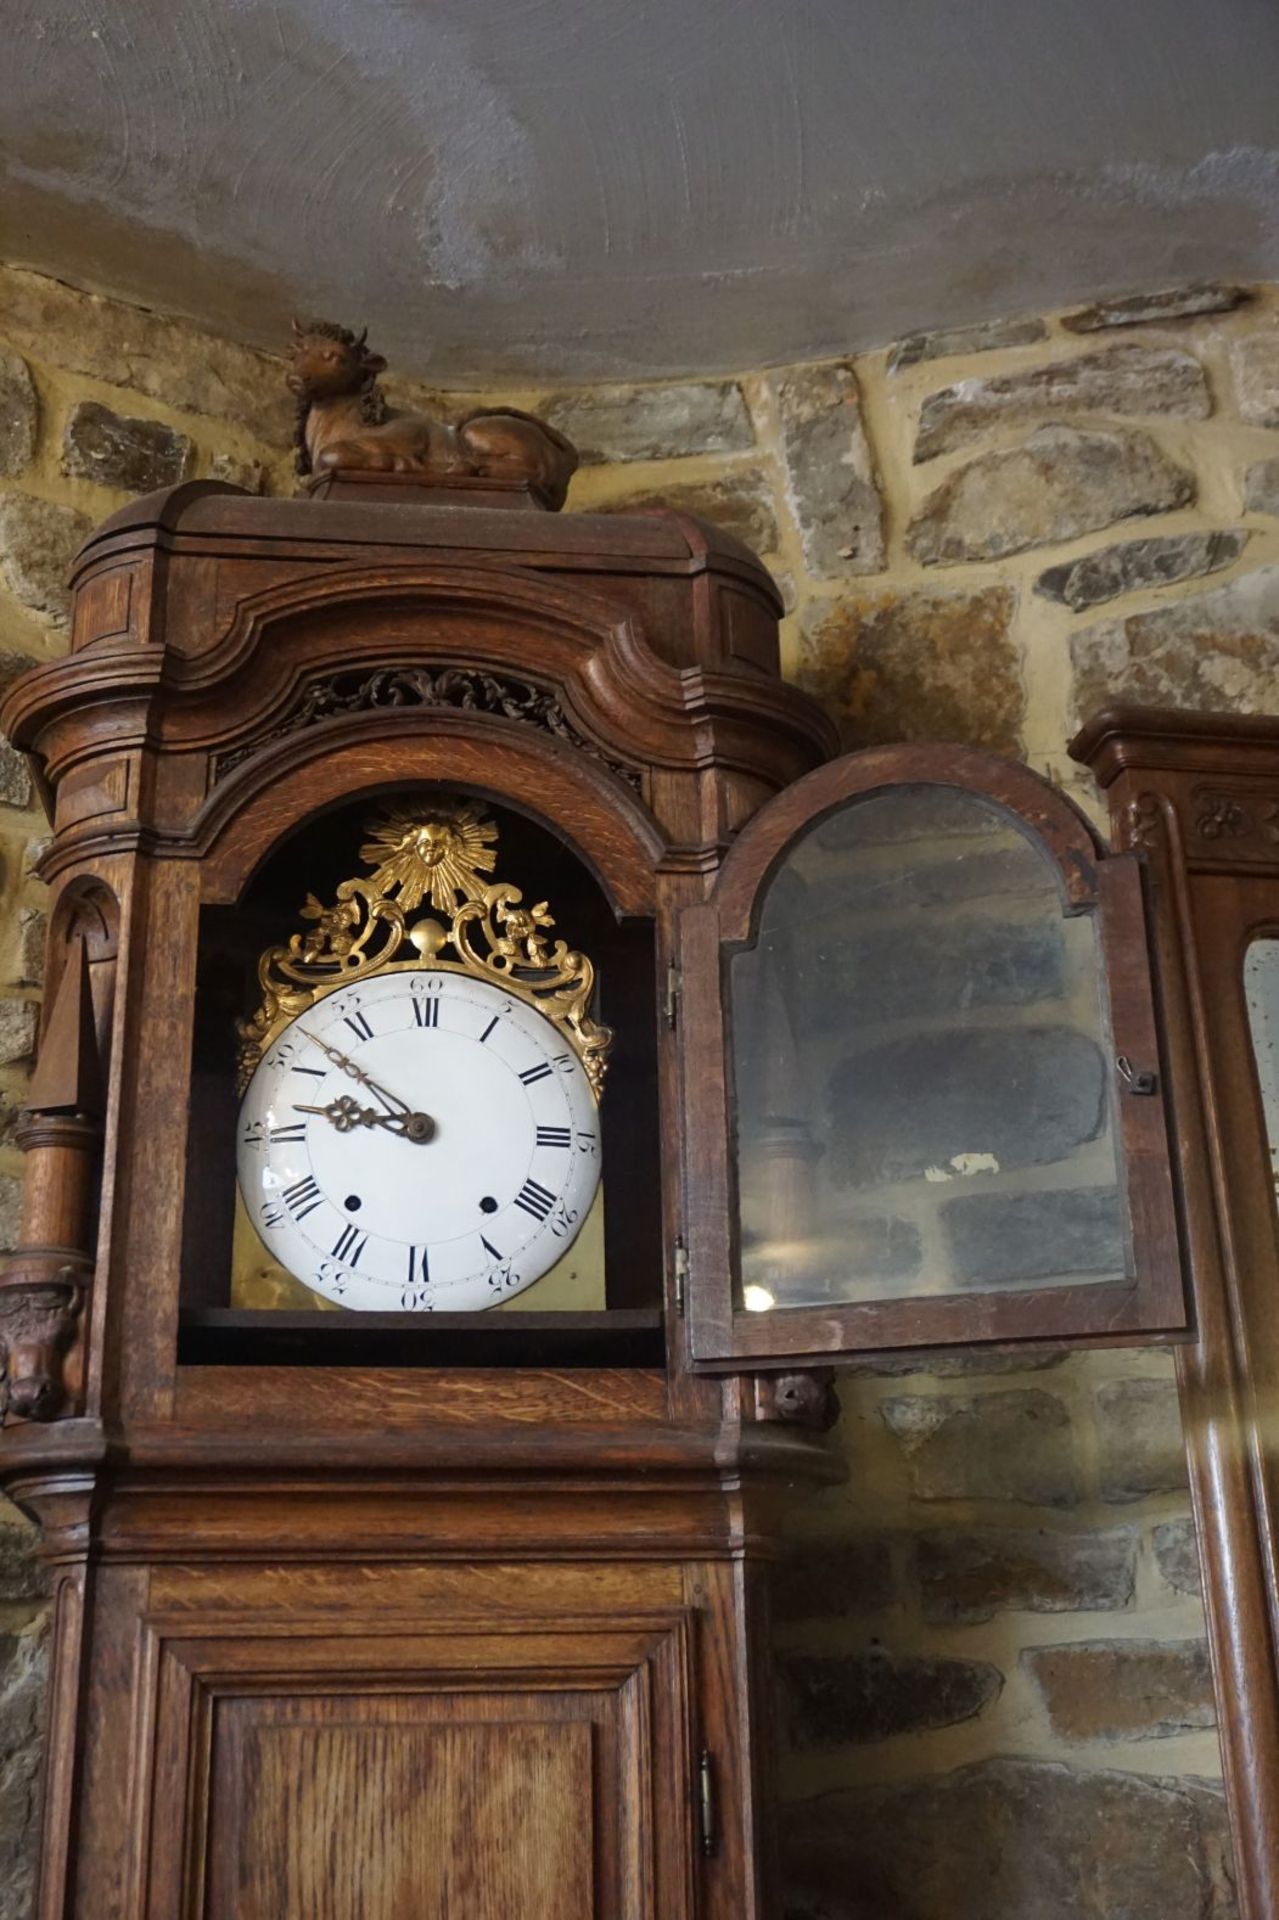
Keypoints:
pixel 994 1692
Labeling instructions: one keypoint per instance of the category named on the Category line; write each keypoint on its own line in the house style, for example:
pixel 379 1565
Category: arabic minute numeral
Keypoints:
pixel 272 1215
pixel 586 1143
pixel 503 1278
pixel 416 1300
pixel 255 1134
pixel 563 1220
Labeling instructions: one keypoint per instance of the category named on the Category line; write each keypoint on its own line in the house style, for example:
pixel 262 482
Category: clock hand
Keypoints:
pixel 390 1101
pixel 346 1113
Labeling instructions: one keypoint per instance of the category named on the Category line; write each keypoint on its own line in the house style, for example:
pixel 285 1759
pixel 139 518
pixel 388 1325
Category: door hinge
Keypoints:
pixel 680 1267
pixel 672 995
pixel 707 1811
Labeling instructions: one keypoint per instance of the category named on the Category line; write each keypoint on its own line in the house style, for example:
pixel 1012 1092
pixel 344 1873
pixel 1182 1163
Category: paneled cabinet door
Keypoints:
pixel 469 1772
pixel 924 1099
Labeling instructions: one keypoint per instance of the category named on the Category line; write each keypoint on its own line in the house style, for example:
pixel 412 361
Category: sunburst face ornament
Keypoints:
pixel 438 858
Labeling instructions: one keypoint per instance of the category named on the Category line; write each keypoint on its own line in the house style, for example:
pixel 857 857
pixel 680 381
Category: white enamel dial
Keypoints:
pixel 422 1141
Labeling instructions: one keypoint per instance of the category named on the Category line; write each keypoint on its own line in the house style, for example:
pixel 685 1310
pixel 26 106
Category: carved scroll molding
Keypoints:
pixel 464 689
pixel 1143 822
pixel 1224 815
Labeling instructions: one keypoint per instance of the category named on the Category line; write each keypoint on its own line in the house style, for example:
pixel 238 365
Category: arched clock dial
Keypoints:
pixel 422 1141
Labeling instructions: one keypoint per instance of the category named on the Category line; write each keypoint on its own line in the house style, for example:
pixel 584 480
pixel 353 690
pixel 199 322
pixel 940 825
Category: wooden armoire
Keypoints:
pixel 455 1604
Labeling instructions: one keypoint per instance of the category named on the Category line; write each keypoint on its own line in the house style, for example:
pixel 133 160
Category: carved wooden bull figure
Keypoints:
pixel 343 420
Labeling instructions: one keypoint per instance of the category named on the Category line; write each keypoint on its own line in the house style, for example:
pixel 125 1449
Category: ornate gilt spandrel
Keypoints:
pixel 442 856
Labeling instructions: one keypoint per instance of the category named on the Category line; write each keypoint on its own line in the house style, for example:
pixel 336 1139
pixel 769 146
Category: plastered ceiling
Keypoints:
pixel 568 190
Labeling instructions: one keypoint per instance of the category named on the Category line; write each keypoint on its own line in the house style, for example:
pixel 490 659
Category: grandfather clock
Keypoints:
pixel 497 1063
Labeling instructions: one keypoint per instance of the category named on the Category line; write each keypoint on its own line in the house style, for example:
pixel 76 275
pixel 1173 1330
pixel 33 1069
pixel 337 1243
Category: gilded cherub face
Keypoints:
pixel 441 857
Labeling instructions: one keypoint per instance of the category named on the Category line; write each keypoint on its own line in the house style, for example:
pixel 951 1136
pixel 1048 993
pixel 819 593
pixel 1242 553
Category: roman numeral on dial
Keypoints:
pixel 302 1197
pixel 350 1245
pixel 359 1026
pixel 426 1012
pixel 290 1134
pixel 531 1075
pixel 552 1136
pixel 419 1266
pixel 535 1199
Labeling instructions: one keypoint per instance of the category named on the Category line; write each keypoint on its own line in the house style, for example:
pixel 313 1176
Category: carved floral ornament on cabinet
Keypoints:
pixel 895 1048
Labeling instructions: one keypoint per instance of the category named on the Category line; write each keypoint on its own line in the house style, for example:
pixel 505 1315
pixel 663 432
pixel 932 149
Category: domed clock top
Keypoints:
pixel 419 1128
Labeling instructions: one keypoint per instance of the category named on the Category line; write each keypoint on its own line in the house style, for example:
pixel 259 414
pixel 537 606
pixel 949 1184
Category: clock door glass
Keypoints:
pixel 422 1141
pixel 922 1071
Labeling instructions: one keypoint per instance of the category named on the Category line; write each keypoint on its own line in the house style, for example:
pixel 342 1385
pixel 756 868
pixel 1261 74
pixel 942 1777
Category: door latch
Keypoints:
pixel 1136 1079
pixel 707 1822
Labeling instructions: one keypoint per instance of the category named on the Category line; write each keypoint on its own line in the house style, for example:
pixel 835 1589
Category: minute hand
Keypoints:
pixel 391 1101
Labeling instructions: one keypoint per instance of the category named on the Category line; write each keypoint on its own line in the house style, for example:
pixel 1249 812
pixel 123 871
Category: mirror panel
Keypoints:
pixel 1261 992
pixel 921 1065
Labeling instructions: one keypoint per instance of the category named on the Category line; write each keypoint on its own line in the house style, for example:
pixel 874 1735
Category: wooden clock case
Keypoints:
pixel 459 1586
pixel 345 1632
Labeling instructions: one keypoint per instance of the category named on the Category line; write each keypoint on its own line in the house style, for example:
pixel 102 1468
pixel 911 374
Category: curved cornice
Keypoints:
pixel 633 704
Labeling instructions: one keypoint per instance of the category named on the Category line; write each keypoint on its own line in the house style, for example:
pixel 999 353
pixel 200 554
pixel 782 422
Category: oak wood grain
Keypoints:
pixel 343 1638
pixel 1193 794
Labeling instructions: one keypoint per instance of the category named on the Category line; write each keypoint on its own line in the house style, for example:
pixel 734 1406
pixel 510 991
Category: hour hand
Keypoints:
pixel 346 1114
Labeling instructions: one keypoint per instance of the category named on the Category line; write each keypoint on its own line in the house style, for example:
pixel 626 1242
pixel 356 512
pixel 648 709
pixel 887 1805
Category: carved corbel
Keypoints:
pixel 41 1294
pixel 43 1282
pixel 798 1399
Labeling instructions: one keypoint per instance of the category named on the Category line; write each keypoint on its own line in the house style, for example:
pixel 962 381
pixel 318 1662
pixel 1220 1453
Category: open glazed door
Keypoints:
pixel 924 1098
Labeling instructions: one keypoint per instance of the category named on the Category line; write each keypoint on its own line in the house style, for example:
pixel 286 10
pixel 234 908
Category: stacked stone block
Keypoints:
pixel 993 1680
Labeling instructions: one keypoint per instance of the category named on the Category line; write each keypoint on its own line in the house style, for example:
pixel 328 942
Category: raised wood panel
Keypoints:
pixel 372 1820
pixel 357 1770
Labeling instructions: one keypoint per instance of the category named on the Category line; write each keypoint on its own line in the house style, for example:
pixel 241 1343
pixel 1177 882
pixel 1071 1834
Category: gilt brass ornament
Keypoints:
pixel 439 858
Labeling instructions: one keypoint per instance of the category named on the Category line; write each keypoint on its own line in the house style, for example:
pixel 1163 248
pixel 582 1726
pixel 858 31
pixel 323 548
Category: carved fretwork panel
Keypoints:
pixel 462 688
